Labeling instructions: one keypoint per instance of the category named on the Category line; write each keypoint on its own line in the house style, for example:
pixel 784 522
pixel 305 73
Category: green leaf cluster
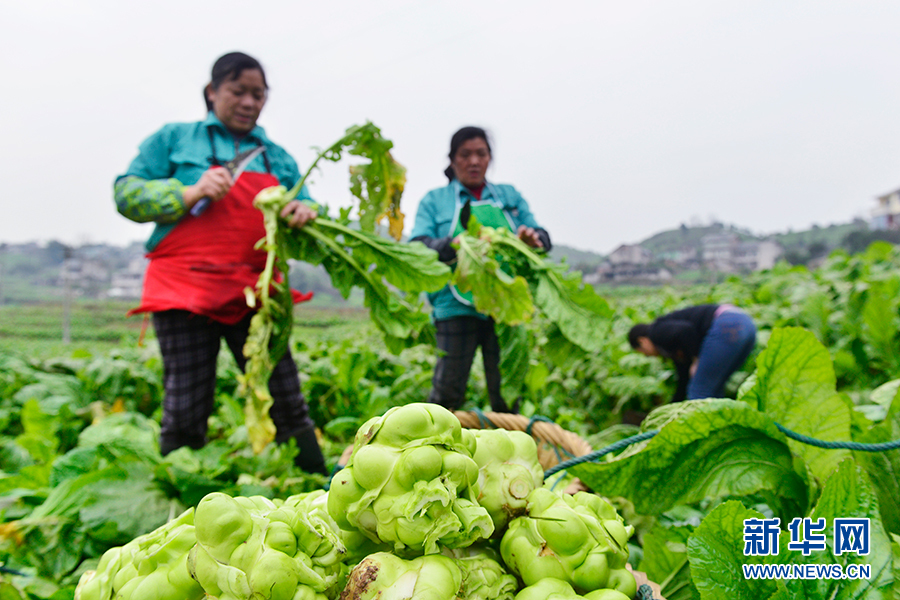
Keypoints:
pixel 509 281
pixel 352 257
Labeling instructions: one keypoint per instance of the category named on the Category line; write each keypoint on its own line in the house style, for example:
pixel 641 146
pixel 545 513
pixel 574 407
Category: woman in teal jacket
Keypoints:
pixel 442 215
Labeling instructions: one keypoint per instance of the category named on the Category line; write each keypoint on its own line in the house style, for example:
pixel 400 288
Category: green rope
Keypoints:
pixel 485 422
pixel 881 447
pixel 622 444
pixel 534 420
pixel 590 457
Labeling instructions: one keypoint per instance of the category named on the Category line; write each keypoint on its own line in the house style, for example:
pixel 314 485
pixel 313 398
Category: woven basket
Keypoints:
pixel 554 443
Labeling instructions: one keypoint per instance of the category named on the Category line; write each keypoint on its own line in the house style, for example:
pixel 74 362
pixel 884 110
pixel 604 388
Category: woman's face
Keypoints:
pixel 237 103
pixel 646 347
pixel 471 161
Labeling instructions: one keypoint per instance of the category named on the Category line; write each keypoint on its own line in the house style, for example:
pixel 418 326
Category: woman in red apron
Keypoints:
pixel 200 265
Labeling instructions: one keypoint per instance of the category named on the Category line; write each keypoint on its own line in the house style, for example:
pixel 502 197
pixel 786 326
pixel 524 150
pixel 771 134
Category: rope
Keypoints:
pixel 805 439
pixel 483 419
pixel 880 447
pixel 536 419
pixel 592 456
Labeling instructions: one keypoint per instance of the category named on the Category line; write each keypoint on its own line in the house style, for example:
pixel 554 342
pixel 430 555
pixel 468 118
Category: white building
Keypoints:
pixel 130 282
pixel 756 256
pixel 630 255
pixel 886 215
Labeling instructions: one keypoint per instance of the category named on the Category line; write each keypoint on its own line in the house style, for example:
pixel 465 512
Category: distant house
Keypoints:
pixel 83 272
pixel 756 256
pixel 685 256
pixel 623 272
pixel 725 252
pixel 886 215
pixel 630 263
pixel 128 283
pixel 717 251
pixel 630 255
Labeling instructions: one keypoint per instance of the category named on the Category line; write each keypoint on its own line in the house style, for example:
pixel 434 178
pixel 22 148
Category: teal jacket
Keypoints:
pixel 435 219
pixel 176 156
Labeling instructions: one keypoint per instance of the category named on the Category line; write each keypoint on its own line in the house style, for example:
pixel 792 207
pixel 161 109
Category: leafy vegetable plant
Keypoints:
pixel 352 257
pixel 508 280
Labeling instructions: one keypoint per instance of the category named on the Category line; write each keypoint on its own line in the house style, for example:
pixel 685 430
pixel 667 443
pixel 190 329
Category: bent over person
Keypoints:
pixel 201 262
pixel 707 343
pixel 442 215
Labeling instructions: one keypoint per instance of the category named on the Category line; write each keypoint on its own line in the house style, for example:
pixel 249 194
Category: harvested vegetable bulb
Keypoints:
pixel 384 576
pixel 579 539
pixel 411 482
pixel 153 565
pixel 317 533
pixel 262 549
pixel 508 471
pixel 483 578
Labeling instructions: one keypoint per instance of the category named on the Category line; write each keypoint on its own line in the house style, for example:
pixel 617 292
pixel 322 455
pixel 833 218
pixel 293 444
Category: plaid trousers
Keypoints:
pixel 189 344
pixel 457 339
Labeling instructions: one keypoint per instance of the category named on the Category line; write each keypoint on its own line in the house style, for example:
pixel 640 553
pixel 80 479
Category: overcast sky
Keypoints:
pixel 615 120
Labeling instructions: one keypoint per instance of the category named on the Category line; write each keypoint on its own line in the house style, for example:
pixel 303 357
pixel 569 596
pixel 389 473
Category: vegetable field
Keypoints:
pixel 79 427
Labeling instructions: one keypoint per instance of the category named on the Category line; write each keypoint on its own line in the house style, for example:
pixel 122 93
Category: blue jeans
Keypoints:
pixel 727 344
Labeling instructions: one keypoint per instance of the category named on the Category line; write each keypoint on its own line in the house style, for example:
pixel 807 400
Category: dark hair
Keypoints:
pixel 459 138
pixel 638 331
pixel 229 68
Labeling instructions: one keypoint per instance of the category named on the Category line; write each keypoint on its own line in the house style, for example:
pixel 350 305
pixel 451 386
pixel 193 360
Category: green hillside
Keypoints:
pixel 684 236
pixel 579 260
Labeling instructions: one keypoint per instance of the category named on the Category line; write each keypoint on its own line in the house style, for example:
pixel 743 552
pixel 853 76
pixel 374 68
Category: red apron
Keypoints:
pixel 204 264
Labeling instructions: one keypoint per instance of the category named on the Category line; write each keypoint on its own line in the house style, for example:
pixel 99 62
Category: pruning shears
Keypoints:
pixel 235 167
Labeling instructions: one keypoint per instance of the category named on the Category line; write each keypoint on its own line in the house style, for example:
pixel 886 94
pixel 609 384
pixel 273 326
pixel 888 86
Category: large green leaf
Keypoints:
pixel 495 292
pixel 795 386
pixel 666 561
pixel 581 315
pixel 508 279
pixel 139 432
pixel 410 267
pixel 109 516
pixel 705 450
pixel 39 438
pixel 9 592
pixel 880 322
pixel 716 553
